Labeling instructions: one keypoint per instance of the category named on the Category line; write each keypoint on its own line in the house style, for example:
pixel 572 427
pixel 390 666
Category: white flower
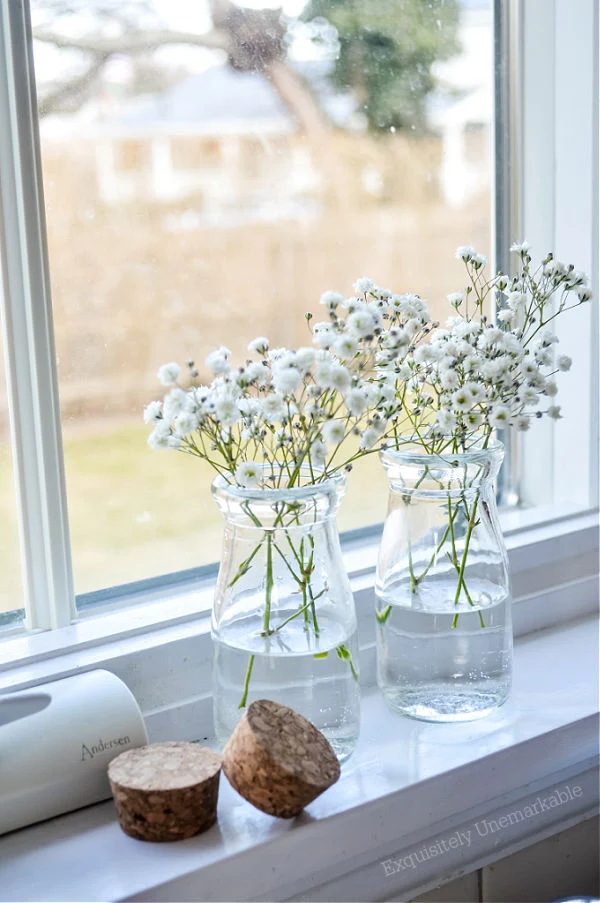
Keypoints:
pixel 462 400
pixel 259 345
pixel 550 389
pixel 273 408
pixel 521 247
pixel 324 335
pixel 331 299
pixel 361 324
pixel 456 298
pixel 345 347
pixel 185 423
pixel 248 474
pixel 528 396
pixel 168 374
pixel 286 379
pixel 506 316
pixel 555 269
pixel 339 378
pixel 218 361
pixel 304 359
pixel 522 422
pixel 334 431
pixel 445 422
pixel 449 378
pixel 159 437
pixel 255 372
pixel 476 392
pixel 357 402
pixel 426 354
pixel 318 453
pixel 516 301
pixel 323 374
pixel 276 354
pixel 499 416
pixel 543 357
pixel 175 401
pixel 226 410
pixel 584 294
pixel 564 362
pixel 364 285
pixel 152 411
pixel 478 261
pixel 369 438
pixel 473 419
pixel 554 412
pixel 465 253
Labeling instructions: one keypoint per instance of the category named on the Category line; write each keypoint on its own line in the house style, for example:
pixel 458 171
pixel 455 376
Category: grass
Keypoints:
pixel 135 513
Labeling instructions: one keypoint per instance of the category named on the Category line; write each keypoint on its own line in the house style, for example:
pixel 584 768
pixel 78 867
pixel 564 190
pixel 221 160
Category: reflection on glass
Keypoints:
pixel 210 169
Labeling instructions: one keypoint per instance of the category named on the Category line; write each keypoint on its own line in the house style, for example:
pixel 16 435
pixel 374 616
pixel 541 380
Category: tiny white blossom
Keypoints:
pixel 507 315
pixel 456 298
pixel 286 379
pixel 520 247
pixel 331 299
pixel 345 347
pixel 445 422
pixel 169 374
pixel 361 324
pixel 584 294
pixel 528 396
pixel 499 416
pixel 465 253
pixel 364 285
pixel 334 431
pixel 318 453
pixel 218 361
pixel 356 401
pixel 369 438
pixel 273 408
pixel 324 335
pixel 340 378
pixel 159 437
pixel 259 345
pixel 473 419
pixel 304 359
pixel 522 422
pixel 564 362
pixel 550 389
pixel 462 400
pixel 152 411
pixel 248 474
pixel 516 301
pixel 554 412
pixel 478 261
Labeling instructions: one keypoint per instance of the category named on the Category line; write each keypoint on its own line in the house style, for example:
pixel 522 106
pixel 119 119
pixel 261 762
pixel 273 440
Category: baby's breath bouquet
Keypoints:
pixel 281 431
pixel 442 571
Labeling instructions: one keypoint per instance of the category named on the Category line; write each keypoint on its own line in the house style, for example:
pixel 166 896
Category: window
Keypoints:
pixel 207 178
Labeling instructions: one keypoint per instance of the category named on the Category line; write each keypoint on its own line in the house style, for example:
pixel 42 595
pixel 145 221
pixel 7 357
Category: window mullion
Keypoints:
pixel 28 336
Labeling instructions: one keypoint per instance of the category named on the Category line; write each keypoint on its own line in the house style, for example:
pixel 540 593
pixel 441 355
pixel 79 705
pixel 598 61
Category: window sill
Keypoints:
pixel 409 785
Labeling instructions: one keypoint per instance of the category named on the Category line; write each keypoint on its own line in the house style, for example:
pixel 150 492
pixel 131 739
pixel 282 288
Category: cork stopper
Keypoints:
pixel 279 761
pixel 166 791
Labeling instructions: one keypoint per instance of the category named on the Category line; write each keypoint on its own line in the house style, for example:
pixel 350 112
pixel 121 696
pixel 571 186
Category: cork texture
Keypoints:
pixel 165 791
pixel 279 761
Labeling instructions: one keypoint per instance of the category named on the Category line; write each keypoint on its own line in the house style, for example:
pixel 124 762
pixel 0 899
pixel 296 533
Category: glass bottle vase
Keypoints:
pixel 284 623
pixel 443 615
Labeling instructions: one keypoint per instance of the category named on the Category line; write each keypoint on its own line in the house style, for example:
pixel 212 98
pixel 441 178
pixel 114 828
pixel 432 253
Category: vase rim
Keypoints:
pixel 335 481
pixel 414 453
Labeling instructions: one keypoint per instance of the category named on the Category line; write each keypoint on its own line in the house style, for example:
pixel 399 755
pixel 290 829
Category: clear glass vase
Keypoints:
pixel 444 634
pixel 284 623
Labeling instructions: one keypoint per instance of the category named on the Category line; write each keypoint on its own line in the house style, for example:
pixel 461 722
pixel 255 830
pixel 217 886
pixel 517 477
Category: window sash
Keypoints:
pixel 525 172
pixel 29 338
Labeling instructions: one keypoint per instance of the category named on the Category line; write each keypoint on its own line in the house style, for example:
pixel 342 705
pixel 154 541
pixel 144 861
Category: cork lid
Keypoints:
pixel 164 766
pixel 293 742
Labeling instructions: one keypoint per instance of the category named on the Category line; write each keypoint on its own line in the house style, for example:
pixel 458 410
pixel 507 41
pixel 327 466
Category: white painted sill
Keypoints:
pixel 410 786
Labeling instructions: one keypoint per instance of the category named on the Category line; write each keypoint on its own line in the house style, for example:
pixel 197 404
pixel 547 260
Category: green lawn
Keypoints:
pixel 135 513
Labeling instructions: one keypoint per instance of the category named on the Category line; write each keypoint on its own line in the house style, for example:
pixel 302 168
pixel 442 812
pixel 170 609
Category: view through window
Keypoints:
pixel 210 169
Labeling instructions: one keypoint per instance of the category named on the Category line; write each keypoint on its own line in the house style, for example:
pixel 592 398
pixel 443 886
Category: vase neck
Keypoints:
pixel 415 472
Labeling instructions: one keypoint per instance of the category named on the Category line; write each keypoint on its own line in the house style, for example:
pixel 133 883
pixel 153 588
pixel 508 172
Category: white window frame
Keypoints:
pixel 553 547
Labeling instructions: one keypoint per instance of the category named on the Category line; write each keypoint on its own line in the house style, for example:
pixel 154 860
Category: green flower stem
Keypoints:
pixel 461 573
pixel 345 654
pixel 382 616
pixel 244 698
pixel 268 586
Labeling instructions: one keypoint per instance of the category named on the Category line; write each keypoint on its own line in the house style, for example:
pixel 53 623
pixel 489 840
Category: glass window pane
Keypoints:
pixel 11 585
pixel 208 186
